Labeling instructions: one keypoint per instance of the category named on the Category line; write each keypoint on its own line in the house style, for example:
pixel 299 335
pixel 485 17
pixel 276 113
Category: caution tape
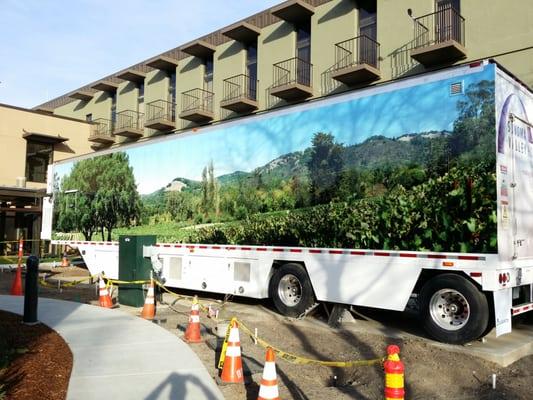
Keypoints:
pixel 295 359
pixel 64 284
pixel 225 345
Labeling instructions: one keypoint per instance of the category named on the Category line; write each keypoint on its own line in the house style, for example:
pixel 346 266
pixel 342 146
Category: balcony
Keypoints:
pixel 240 94
pixel 356 61
pixel 102 132
pixel 292 79
pixel 129 124
pixel 197 106
pixel 439 37
pixel 160 115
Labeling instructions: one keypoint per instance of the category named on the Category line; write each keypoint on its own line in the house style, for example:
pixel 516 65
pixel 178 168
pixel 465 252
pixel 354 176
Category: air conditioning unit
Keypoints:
pixel 21 182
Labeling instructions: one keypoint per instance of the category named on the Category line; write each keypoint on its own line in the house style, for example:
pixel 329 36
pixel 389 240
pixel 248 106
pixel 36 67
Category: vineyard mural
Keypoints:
pixel 409 169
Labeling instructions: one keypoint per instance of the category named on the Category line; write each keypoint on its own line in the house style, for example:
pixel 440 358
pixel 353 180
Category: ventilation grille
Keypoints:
pixel 174 268
pixel 456 88
pixel 241 271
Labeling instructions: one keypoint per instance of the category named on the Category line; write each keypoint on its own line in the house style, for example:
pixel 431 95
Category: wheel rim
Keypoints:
pixel 290 290
pixel 449 309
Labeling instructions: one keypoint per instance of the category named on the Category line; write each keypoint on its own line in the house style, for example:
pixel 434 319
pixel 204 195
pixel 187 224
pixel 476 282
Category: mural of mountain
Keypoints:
pixel 374 152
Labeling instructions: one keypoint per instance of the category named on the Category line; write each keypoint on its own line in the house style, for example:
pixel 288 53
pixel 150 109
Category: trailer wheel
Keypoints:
pixel 453 310
pixel 291 291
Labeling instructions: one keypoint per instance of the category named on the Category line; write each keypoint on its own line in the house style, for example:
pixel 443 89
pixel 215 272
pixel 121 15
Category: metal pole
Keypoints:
pixel 31 292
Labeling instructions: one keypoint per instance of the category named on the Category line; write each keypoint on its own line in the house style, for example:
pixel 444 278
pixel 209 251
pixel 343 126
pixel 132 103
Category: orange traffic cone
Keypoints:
pixel 192 333
pixel 148 311
pixel 16 287
pixel 232 369
pixel 269 382
pixel 105 298
pixel 64 261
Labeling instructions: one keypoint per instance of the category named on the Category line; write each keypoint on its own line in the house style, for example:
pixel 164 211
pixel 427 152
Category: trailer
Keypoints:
pixel 416 189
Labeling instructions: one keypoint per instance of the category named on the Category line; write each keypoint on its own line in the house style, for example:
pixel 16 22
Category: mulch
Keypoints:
pixel 41 361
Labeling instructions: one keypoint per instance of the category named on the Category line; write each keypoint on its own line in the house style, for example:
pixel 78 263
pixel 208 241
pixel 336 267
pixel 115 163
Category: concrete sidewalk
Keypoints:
pixel 119 356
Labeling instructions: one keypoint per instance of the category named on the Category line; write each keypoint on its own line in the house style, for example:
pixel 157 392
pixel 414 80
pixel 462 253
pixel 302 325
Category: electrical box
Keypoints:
pixel 132 266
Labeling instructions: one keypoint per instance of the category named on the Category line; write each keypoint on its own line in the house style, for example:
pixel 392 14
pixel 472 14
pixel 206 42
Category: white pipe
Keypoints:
pixel 494 381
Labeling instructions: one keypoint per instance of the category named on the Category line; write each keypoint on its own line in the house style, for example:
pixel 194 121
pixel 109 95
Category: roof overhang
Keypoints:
pixel 105 86
pixel 81 95
pixel 13 191
pixel 163 63
pixel 199 48
pixel 132 75
pixel 44 138
pixel 242 32
pixel 293 11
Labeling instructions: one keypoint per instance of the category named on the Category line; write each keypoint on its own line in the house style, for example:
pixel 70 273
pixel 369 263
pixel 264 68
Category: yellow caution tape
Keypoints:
pixel 225 345
pixel 294 359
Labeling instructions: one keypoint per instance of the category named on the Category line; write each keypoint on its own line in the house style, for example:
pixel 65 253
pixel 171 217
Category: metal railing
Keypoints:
pixel 238 87
pixel 129 119
pixel 438 27
pixel 356 51
pixel 102 127
pixel 160 109
pixel 197 99
pixel 291 71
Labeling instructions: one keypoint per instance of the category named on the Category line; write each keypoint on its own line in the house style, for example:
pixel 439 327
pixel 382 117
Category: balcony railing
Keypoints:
pixel 238 87
pixel 197 105
pixel 239 93
pixel 102 131
pixel 356 60
pixel 160 115
pixel 293 71
pixel 441 35
pixel 292 79
pixel 129 123
pixel 356 51
pixel 439 27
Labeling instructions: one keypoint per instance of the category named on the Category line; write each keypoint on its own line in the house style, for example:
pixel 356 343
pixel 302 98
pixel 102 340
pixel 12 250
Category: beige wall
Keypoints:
pixel 189 76
pixel 14 122
pixel 230 59
pixel 502 27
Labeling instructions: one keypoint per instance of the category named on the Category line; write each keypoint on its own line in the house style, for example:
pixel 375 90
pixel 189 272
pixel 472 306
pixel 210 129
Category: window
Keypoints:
pixel 251 70
pixel 172 88
pixel 113 109
pixel 89 117
pixel 140 98
pixel 303 53
pixel 38 156
pixel 208 74
pixel 443 4
pixel 368 28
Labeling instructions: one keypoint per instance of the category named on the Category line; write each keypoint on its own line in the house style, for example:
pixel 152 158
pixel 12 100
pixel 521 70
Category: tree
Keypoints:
pixel 325 167
pixel 103 196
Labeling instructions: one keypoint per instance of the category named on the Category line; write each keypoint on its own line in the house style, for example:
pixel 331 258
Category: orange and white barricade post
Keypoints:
pixel 104 296
pixel 16 287
pixel 232 362
pixel 192 333
pixel 394 374
pixel 269 382
pixel 148 311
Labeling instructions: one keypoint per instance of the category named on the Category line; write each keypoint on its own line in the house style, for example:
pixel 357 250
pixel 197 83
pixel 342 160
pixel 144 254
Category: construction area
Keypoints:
pixel 350 354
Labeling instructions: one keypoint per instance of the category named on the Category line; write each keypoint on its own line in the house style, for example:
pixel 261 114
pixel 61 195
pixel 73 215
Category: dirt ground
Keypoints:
pixel 40 364
pixel 431 372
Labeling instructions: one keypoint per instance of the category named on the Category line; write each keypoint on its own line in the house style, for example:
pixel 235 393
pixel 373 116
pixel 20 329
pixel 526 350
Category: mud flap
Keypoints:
pixel 503 302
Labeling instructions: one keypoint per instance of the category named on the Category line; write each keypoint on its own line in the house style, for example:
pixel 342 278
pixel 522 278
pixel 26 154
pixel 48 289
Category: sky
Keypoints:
pixel 248 144
pixel 55 46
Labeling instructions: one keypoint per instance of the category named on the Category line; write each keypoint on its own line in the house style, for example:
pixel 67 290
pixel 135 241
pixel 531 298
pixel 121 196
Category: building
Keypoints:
pixel 30 140
pixel 297 51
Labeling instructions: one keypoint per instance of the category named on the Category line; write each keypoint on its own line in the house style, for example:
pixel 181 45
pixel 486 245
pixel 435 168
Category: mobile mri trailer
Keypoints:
pixel 421 188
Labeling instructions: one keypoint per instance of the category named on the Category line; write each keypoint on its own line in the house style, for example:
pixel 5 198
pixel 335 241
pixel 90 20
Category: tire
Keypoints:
pixel 291 291
pixel 453 309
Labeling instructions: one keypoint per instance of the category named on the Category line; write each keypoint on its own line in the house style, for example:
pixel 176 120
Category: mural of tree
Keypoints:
pixel 98 195
pixel 325 167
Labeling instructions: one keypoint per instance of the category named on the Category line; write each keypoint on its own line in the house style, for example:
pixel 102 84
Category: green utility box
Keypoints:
pixel 132 266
